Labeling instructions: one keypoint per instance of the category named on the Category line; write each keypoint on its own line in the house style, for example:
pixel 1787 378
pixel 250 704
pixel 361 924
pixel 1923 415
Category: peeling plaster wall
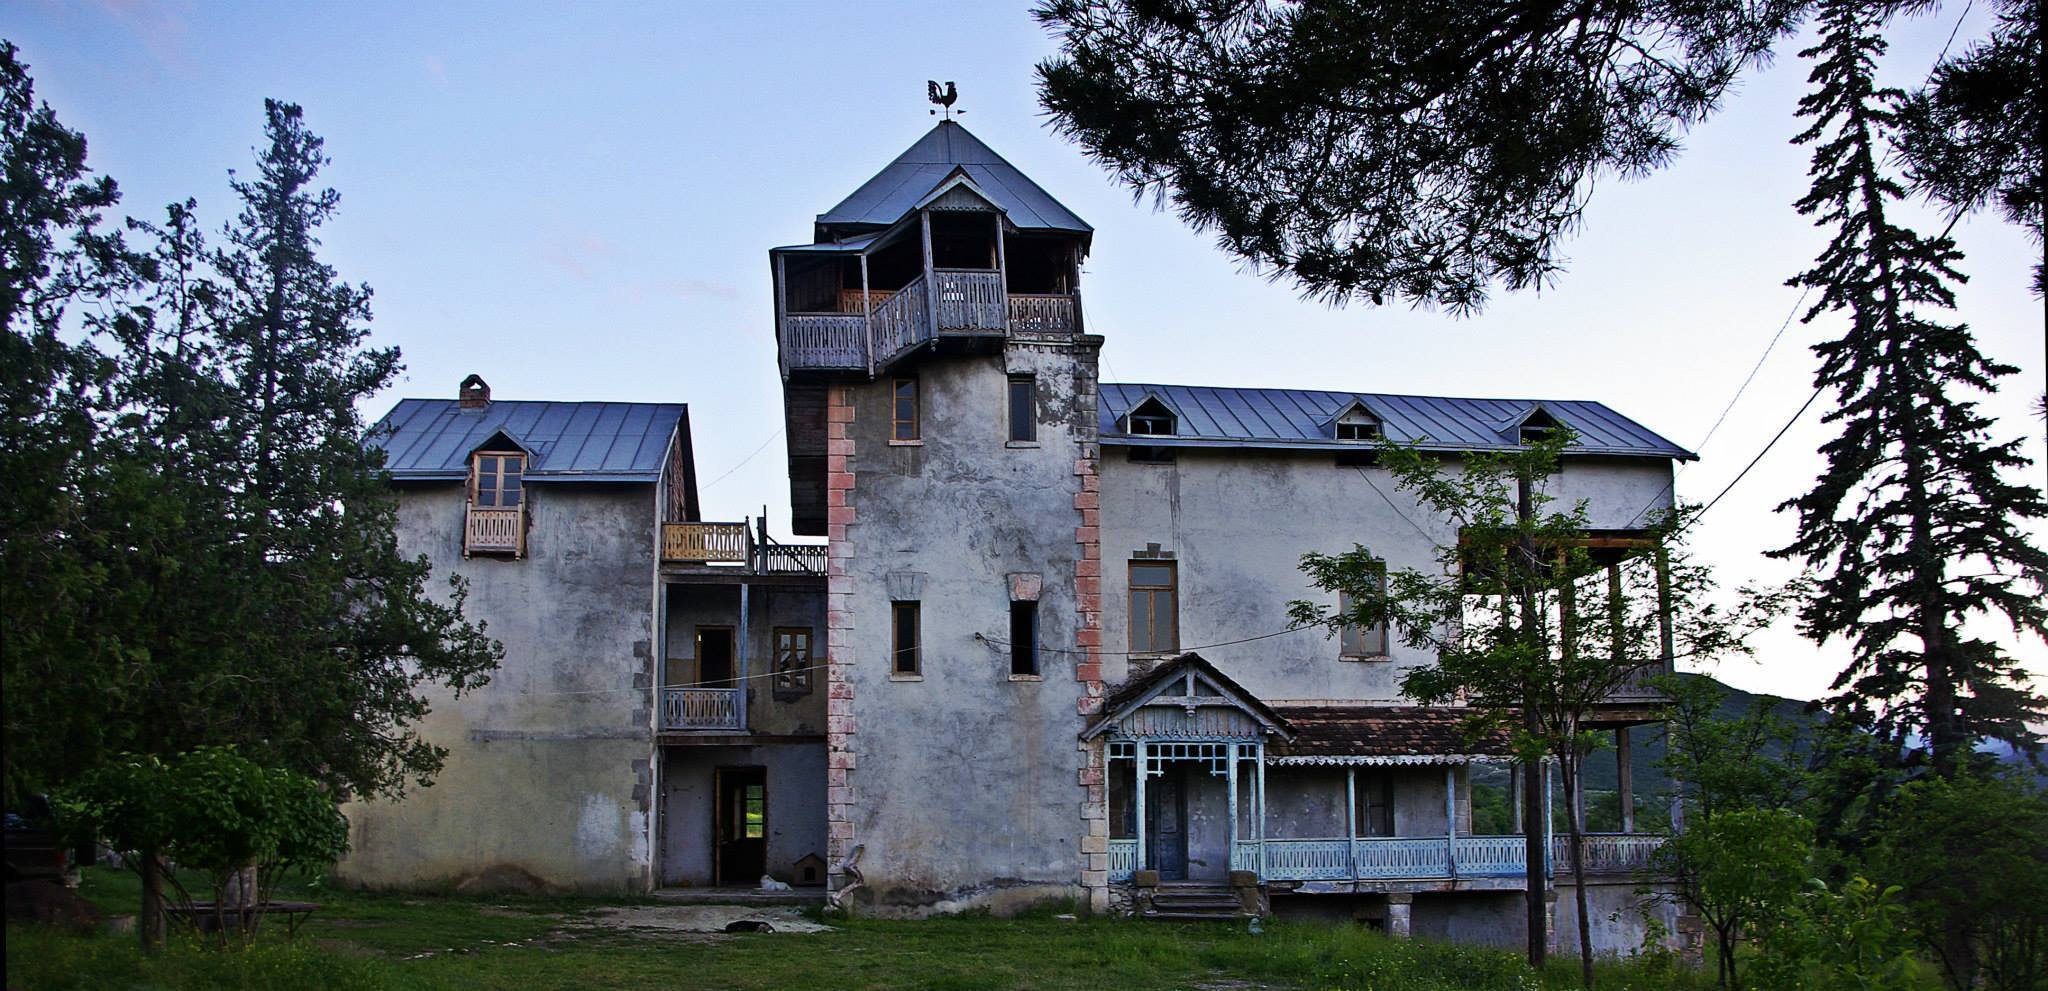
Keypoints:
pixel 796 807
pixel 1237 522
pixel 964 782
pixel 547 782
pixel 768 607
pixel 1620 914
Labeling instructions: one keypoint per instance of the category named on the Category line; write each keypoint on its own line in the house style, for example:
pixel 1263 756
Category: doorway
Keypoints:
pixel 740 832
pixel 1166 819
pixel 714 657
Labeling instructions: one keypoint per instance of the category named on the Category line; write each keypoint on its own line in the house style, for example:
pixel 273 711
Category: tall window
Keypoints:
pixel 904 651
pixel 1023 637
pixel 1364 641
pixel 1375 812
pixel 792 662
pixel 1023 408
pixel 495 481
pixel 1154 629
pixel 903 405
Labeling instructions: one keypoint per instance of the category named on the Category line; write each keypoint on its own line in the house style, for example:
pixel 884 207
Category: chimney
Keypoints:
pixel 476 393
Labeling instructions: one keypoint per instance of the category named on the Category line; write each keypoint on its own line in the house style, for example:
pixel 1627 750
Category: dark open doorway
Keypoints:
pixel 714 657
pixel 740 831
pixel 1166 819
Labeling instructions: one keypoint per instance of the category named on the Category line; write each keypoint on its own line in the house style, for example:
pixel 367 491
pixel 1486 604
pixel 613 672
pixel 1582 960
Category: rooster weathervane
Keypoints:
pixel 943 97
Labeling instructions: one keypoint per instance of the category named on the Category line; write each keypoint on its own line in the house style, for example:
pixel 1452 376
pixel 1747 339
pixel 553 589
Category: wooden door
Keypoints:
pixel 1166 824
pixel 742 826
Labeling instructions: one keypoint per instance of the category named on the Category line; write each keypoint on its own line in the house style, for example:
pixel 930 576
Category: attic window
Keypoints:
pixel 1536 428
pixel 495 520
pixel 496 480
pixel 1150 418
pixel 1358 425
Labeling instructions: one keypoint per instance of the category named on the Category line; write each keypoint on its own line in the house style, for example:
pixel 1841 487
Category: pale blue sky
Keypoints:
pixel 576 201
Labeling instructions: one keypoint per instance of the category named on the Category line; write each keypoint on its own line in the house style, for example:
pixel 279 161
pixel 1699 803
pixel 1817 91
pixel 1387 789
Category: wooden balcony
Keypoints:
pixel 1420 858
pixel 722 709
pixel 704 543
pixel 735 543
pixel 494 531
pixel 878 326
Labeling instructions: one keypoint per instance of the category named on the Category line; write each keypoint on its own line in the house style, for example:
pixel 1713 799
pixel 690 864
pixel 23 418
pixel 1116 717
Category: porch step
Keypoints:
pixel 1194 902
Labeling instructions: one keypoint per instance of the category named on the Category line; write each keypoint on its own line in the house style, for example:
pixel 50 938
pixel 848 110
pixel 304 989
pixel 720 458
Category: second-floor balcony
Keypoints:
pixel 738 544
pixel 687 709
pixel 876 327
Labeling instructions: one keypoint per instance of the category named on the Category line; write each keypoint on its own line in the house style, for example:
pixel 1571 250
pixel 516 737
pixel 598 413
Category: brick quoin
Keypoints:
pixel 840 759
pixel 1088 641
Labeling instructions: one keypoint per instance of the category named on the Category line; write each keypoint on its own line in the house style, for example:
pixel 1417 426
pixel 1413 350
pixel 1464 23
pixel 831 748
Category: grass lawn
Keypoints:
pixel 361 940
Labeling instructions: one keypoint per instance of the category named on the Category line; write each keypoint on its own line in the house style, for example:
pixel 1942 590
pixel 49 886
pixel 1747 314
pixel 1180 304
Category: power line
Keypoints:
pixel 1760 454
pixel 743 461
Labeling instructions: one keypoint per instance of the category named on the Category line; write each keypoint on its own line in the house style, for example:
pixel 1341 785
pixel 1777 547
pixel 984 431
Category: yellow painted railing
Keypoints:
pixel 707 542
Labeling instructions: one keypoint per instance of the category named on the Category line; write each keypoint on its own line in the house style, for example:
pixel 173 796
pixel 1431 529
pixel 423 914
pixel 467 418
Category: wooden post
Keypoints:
pixel 931 279
pixel 1230 783
pixel 1351 818
pixel 1138 801
pixel 867 312
pixel 1451 819
pixel 1515 797
pixel 746 635
pixel 1549 826
pixel 1260 805
pixel 1624 780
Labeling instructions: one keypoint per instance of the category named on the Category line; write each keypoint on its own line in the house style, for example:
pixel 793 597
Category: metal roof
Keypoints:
pixel 1213 417
pixel 903 183
pixel 565 442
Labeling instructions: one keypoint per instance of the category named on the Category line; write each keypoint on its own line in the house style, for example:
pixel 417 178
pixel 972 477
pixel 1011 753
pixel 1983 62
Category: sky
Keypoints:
pixel 577 200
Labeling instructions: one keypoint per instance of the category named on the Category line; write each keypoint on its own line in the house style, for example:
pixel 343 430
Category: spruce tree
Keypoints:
pixel 1915 524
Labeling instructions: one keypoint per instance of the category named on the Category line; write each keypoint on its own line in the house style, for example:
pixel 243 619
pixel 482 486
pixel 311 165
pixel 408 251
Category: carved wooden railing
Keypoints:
pixel 850 299
pixel 1123 859
pixel 1399 858
pixel 494 531
pixel 801 559
pixel 706 542
pixel 901 322
pixel 825 340
pixel 703 708
pixel 970 300
pixel 1038 313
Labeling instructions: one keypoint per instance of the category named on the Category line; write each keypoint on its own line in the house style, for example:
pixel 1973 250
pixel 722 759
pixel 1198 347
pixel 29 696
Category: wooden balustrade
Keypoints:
pixel 1042 313
pixel 799 559
pixel 703 708
pixel 850 300
pixel 494 531
pixel 970 301
pixel 901 323
pixel 825 340
pixel 1422 858
pixel 705 542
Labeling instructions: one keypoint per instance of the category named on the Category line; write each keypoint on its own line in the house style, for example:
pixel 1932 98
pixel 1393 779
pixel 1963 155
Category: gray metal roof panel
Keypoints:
pixel 597 442
pixel 1300 418
pixel 896 189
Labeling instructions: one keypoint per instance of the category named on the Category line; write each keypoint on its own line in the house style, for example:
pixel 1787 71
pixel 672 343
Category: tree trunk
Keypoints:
pixel 1575 822
pixel 151 925
pixel 1534 842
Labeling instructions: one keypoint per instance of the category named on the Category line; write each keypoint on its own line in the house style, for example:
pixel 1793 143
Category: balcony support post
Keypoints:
pixel 1229 785
pixel 1139 798
pixel 1260 804
pixel 867 313
pixel 745 638
pixel 1451 820
pixel 1624 782
pixel 931 280
pixel 1351 820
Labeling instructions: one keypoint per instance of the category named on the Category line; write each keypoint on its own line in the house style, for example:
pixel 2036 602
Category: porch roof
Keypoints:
pixel 1353 734
pixel 1134 694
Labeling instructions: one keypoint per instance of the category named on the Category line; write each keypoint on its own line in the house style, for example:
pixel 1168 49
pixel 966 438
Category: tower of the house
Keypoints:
pixel 940 397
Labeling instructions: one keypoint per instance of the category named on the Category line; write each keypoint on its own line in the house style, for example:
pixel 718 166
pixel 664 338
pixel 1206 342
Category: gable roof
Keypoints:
pixel 1299 418
pixel 1140 690
pixel 925 165
pixel 427 439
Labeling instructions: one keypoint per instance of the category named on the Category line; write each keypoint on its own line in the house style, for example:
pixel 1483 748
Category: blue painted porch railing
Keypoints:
pixel 1123 859
pixel 1400 858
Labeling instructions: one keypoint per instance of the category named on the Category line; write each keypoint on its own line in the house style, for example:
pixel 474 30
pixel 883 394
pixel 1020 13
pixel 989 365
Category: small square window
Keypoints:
pixel 1023 409
pixel 904 634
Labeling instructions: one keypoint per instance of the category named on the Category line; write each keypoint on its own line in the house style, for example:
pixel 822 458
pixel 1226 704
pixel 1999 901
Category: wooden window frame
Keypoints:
pixel 1029 422
pixel 897 650
pixel 897 423
pixel 1351 640
pixel 476 479
pixel 1149 646
pixel 1375 792
pixel 801 682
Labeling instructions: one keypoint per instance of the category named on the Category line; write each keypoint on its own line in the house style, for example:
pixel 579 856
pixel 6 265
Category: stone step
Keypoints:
pixel 1232 916
pixel 1163 900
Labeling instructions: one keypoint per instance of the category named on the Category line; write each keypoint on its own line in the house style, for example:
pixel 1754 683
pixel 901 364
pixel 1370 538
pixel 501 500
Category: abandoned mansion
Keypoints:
pixel 1041 654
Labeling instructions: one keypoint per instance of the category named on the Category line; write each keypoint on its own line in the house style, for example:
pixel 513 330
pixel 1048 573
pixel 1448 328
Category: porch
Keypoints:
pixel 741 544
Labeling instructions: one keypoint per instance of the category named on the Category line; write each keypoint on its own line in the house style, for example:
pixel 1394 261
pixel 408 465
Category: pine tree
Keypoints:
pixel 1914 524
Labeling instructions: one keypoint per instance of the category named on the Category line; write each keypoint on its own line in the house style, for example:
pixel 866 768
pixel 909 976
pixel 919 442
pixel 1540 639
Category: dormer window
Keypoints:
pixel 1537 427
pixel 1151 418
pixel 1357 424
pixel 496 519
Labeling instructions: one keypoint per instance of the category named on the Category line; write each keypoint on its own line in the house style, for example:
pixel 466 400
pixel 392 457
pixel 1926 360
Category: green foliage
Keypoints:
pixel 1914 526
pixel 1748 761
pixel 1854 939
pixel 1381 150
pixel 210 810
pixel 1740 870
pixel 196 547
pixel 1971 856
